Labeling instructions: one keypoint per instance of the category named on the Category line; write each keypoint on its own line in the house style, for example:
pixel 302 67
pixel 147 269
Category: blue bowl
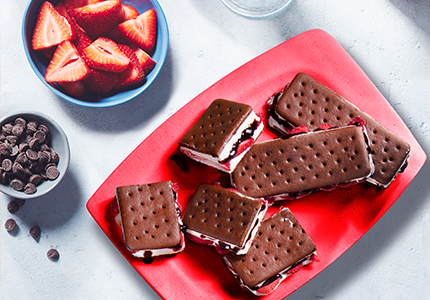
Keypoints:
pixel 39 62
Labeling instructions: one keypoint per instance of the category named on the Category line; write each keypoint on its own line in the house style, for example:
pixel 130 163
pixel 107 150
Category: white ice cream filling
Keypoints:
pixel 216 162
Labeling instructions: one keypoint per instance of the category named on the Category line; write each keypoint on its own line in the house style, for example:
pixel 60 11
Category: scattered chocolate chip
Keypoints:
pixel 10 225
pixel 35 233
pixel 53 254
pixel 52 173
pixel 12 206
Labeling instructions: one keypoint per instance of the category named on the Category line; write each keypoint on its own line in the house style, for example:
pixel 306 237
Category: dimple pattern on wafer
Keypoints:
pixel 149 216
pixel 303 162
pixel 308 102
pixel 216 126
pixel 280 243
pixel 221 213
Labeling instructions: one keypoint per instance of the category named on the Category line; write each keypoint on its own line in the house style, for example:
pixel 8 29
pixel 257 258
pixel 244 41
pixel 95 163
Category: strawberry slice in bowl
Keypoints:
pixel 39 60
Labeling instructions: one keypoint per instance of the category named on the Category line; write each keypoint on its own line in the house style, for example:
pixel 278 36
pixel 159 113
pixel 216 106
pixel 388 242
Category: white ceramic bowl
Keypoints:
pixel 59 143
pixel 39 62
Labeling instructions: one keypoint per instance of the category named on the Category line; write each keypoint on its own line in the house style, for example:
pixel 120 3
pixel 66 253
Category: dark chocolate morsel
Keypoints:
pixel 30 188
pixel 35 233
pixel 53 254
pixel 52 173
pixel 12 206
pixel 6 164
pixel 10 224
pixel 16 184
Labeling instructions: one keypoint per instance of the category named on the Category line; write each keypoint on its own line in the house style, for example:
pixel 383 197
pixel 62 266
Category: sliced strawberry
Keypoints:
pixel 128 12
pixel 82 41
pixel 72 4
pixel 75 88
pixel 100 82
pixel 99 18
pixel 142 30
pixel 104 54
pixel 134 73
pixel 51 28
pixel 145 60
pixel 117 36
pixel 66 65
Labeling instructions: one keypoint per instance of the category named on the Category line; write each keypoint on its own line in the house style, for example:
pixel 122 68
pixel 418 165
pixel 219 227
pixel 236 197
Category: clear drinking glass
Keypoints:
pixel 256 8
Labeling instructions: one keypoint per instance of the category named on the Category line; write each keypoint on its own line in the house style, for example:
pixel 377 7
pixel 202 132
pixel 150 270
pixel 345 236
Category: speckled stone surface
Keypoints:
pixel 389 39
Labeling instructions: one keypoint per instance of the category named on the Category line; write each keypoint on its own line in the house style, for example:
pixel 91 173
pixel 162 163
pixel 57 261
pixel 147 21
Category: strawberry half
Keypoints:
pixel 100 82
pixel 128 12
pixel 142 30
pixel 145 60
pixel 66 65
pixel 51 28
pixel 99 18
pixel 134 73
pixel 104 54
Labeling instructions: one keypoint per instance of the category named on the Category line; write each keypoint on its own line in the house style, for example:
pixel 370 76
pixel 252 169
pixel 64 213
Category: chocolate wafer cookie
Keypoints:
pixel 287 168
pixel 280 248
pixel 222 135
pixel 150 219
pixel 306 101
pixel 223 218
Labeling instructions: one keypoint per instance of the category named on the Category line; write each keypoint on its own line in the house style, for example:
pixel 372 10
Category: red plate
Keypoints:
pixel 334 220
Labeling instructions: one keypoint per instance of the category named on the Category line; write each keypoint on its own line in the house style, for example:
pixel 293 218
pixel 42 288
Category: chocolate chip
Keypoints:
pixel 6 164
pixel 40 136
pixel 35 233
pixel 10 225
pixel 30 188
pixel 16 184
pixel 21 121
pixel 52 173
pixel 17 129
pixel 53 254
pixel 31 154
pixel 36 179
pixel 18 170
pixel 22 159
pixel 7 129
pixel 12 206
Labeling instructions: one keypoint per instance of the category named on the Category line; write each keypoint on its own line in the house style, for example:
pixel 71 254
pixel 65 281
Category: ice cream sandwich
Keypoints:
pixel 305 101
pixel 222 135
pixel 281 248
pixel 294 166
pixel 150 219
pixel 223 218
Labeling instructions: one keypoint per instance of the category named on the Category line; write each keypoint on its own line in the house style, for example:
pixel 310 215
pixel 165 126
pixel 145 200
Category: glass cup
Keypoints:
pixel 256 8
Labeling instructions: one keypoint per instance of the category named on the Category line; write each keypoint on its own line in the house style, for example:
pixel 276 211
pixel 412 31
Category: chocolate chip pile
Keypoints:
pixel 27 160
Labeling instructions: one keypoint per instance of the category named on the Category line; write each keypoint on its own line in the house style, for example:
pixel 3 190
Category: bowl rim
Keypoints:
pixel 51 123
pixel 112 99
